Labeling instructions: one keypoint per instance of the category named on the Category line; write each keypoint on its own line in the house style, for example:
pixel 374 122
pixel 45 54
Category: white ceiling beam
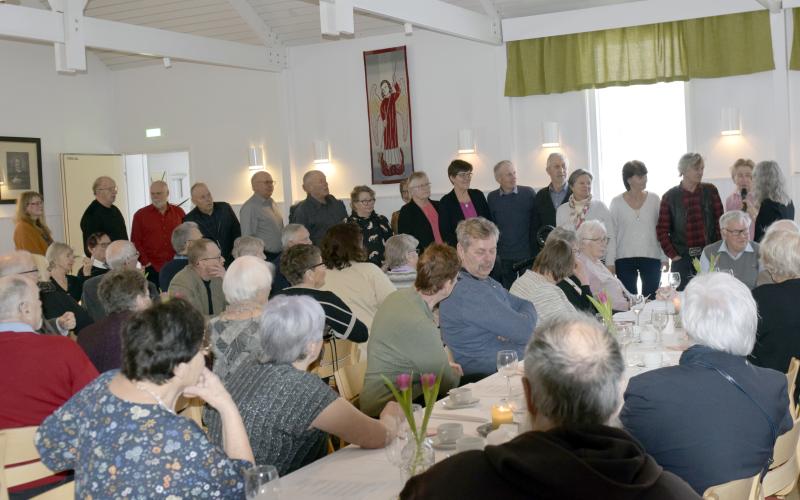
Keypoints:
pixel 436 15
pixel 336 17
pixel 256 22
pixel 48 26
pixel 635 13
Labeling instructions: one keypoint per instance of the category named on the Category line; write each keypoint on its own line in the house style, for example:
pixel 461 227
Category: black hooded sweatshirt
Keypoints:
pixel 586 462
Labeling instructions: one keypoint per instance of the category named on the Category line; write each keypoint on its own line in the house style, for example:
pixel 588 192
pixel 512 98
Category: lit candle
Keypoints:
pixel 676 303
pixel 501 414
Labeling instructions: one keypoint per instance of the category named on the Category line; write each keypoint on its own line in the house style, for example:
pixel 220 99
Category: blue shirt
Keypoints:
pixel 515 214
pixel 557 197
pixel 480 318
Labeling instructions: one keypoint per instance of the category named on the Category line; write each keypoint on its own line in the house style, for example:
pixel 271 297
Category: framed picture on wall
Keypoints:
pixel 389 114
pixel 20 167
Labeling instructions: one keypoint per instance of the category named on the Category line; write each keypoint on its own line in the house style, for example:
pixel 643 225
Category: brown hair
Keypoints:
pixel 342 245
pixel 197 249
pixel 357 191
pixel 437 265
pixel 556 258
pixel 296 260
pixel 22 214
pixel 458 166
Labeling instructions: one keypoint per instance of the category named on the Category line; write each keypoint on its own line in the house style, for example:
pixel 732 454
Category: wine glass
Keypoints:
pixel 674 280
pixel 637 305
pixel 659 321
pixel 261 483
pixel 507 366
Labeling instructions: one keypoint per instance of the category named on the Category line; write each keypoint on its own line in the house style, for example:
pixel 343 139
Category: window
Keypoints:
pixel 640 122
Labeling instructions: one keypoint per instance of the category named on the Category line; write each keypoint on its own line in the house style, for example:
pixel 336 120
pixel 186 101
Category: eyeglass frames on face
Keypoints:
pixel 312 267
pixel 736 232
pixel 218 257
pixel 367 201
pixel 603 239
pixel 427 184
pixel 464 175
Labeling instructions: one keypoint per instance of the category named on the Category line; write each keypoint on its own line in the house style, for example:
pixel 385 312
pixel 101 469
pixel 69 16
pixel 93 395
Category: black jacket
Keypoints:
pixel 592 461
pixel 412 221
pixel 450 213
pixel 546 211
pixel 769 212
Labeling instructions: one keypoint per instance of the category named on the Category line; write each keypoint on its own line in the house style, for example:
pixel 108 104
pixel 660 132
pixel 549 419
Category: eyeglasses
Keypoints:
pixel 29 272
pixel 218 257
pixel 737 232
pixel 311 268
pixel 428 184
pixel 603 239
pixel 112 189
pixel 35 203
pixel 367 201
pixel 464 175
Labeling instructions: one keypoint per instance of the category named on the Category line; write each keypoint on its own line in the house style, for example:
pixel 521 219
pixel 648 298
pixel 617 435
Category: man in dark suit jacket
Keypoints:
pixel 714 417
pixel 216 220
pixel 102 216
pixel 548 199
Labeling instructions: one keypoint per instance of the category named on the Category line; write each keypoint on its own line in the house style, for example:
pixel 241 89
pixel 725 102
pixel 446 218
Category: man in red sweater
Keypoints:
pixel 39 372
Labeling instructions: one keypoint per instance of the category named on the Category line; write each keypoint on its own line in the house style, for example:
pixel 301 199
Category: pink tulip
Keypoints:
pixel 403 381
pixel 428 380
pixel 602 297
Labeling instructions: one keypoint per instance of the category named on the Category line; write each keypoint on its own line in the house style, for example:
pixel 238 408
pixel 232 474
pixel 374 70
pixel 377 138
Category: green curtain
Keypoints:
pixel 794 62
pixel 709 47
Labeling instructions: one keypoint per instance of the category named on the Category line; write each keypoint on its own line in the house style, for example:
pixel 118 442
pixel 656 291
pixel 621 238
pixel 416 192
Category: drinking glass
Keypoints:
pixel 261 483
pixel 395 444
pixel 507 366
pixel 624 338
pixel 660 319
pixel 637 305
pixel 674 280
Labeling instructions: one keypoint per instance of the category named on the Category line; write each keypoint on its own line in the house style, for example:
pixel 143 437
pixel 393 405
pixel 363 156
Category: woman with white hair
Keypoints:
pixel 60 263
pixel 592 244
pixel 288 412
pixel 401 260
pixel 582 208
pixel 234 332
pixel 771 196
pixel 714 417
pixel 777 338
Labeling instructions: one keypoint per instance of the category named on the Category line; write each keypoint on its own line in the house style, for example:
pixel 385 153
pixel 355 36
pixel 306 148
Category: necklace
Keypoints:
pixel 155 396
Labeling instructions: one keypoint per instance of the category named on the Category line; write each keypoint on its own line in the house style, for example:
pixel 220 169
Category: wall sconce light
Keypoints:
pixel 256 159
pixel 466 141
pixel 731 121
pixel 152 132
pixel 322 152
pixel 550 135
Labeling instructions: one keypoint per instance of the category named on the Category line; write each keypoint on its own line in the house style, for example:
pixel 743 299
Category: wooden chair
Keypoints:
pixel 782 475
pixel 740 489
pixel 349 375
pixel 791 379
pixel 16 446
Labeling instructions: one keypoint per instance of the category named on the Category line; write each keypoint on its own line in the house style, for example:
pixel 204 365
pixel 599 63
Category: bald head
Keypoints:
pixel 105 190
pixel 121 254
pixel 262 184
pixel 19 301
pixel 202 199
pixel 573 372
pixel 18 263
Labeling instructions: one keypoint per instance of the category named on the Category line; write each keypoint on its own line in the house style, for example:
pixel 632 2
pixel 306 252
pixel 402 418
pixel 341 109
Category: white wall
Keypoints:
pixel 69 113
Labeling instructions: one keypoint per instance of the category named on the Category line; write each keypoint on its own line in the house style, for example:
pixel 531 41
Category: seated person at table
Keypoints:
pixel 303 267
pixel 292 234
pixel 181 237
pixel 60 263
pixel 122 292
pixel 574 373
pixel 538 285
pixel 97 244
pixel 200 282
pixel 480 317
pixel 782 225
pixel 576 285
pixel 401 260
pixel 360 284
pixel 714 417
pixel 734 252
pixel 121 434
pixel 31 392
pixel 777 339
pixel 234 333
pixel 288 411
pixel 405 337
pixel 248 245
pixel 592 243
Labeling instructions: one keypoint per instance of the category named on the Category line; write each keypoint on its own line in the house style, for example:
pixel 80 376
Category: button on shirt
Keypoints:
pixel 152 234
pixel 261 218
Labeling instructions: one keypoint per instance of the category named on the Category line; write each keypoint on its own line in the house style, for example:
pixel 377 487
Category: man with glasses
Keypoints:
pixel 320 210
pixel 200 282
pixel 119 255
pixel 734 253
pixel 260 215
pixel 152 230
pixel 102 216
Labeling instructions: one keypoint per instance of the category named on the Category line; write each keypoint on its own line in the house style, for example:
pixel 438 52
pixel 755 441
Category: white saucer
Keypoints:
pixel 448 404
pixel 439 445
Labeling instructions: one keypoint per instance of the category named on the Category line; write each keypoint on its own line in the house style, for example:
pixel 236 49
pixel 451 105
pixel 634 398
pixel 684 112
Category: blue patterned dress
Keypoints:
pixel 132 450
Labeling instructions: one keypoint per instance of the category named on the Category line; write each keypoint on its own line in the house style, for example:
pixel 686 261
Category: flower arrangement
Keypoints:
pixel 712 264
pixel 401 389
pixel 603 305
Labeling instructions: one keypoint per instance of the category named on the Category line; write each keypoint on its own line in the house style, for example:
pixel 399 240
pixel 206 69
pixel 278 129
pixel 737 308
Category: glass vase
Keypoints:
pixel 417 457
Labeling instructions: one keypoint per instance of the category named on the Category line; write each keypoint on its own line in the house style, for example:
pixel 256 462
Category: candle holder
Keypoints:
pixel 502 413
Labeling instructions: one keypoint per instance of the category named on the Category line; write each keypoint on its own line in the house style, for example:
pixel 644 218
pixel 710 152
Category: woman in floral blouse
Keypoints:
pixel 121 434
pixel 374 228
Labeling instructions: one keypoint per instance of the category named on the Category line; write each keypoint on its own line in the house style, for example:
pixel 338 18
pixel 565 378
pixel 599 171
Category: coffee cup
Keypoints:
pixel 466 443
pixel 450 432
pixel 652 359
pixel 460 395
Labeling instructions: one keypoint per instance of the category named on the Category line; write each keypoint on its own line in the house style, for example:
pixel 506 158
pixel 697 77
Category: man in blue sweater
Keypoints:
pixel 514 210
pixel 480 317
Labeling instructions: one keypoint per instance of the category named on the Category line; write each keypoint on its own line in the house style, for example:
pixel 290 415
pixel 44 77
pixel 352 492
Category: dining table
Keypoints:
pixel 356 473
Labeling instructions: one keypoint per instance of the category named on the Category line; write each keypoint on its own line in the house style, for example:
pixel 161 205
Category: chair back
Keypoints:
pixel 783 473
pixel 739 489
pixel 16 446
pixel 191 408
pixel 791 379
pixel 337 353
